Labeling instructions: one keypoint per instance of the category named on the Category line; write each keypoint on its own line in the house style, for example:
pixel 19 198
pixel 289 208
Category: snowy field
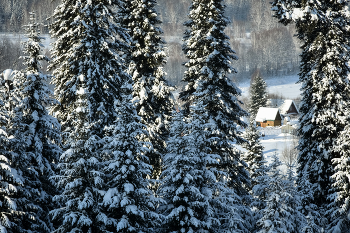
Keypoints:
pixel 276 142
pixel 21 38
pixel 285 85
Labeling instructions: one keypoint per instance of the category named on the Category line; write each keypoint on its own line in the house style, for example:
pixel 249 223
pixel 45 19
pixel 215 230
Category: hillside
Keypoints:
pixel 259 41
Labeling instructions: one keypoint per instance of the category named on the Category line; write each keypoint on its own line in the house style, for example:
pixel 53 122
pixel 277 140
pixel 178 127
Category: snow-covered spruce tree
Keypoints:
pixel 322 26
pixel 80 177
pixel 188 198
pixel 339 209
pixel 128 205
pixel 254 155
pixel 89 73
pixel 195 200
pixel 258 94
pixel 11 183
pixel 257 169
pixel 86 54
pixel 311 227
pixel 260 193
pixel 281 214
pixel 147 57
pixel 315 217
pixel 209 61
pixel 294 199
pixel 34 136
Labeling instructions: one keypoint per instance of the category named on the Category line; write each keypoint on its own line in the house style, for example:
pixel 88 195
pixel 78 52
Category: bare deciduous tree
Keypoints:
pixel 290 153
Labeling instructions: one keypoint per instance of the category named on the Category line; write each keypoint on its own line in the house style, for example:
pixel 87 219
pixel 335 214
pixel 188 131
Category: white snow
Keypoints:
pixel 81 78
pixel 81 91
pixel 275 142
pixel 122 224
pixel 11 204
pixel 285 85
pixel 298 13
pixel 35 116
pixel 8 74
pixel 128 187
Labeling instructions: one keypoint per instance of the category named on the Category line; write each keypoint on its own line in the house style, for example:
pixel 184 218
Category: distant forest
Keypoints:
pixel 259 41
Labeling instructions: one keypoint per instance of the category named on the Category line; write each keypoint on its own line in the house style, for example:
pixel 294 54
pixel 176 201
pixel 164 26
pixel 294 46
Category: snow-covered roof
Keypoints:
pixel 286 105
pixel 265 114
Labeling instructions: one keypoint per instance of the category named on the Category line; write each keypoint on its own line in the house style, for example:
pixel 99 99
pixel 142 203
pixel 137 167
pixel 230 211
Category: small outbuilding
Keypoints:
pixel 288 128
pixel 288 108
pixel 268 117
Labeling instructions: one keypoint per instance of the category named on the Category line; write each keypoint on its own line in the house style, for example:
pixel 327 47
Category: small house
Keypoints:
pixel 268 117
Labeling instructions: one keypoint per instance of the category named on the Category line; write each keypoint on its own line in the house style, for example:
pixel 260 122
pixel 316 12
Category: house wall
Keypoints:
pixel 270 123
pixel 277 123
pixel 278 118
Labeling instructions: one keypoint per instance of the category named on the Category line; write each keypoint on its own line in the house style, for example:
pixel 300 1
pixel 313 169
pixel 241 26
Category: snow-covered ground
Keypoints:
pixel 276 142
pixel 285 85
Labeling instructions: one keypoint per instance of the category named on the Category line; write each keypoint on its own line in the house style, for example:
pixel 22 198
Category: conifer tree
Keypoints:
pixel 322 26
pixel 209 57
pixel 254 155
pixel 258 94
pixel 315 217
pixel 128 205
pixel 89 73
pixel 294 199
pixel 12 216
pixel 188 184
pixel 260 193
pixel 85 55
pixel 311 227
pixel 257 169
pixel 195 200
pixel 147 57
pixel 339 208
pixel 281 214
pixel 34 136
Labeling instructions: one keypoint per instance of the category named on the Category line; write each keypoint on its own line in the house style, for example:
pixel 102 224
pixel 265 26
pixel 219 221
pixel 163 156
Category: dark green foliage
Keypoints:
pixel 258 94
